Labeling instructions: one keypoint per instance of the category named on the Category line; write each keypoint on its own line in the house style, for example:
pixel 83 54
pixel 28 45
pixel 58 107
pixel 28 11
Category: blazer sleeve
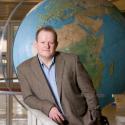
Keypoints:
pixel 86 86
pixel 29 98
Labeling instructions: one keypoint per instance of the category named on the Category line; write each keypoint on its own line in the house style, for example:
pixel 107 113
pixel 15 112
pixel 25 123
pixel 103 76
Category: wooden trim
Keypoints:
pixel 17 1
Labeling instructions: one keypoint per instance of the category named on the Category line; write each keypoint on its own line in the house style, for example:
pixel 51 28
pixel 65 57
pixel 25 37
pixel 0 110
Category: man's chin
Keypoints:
pixel 48 56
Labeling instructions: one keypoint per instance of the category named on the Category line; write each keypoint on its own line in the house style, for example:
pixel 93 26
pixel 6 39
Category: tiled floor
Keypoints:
pixel 14 122
pixel 19 113
pixel 19 122
pixel 2 122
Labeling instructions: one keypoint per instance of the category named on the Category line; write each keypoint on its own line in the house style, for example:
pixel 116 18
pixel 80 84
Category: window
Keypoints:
pixel 8 78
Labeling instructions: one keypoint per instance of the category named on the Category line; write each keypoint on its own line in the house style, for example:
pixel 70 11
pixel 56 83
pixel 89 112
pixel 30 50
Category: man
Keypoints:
pixel 57 83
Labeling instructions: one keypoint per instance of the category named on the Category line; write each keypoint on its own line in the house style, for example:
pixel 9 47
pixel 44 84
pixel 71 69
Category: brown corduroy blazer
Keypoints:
pixel 75 88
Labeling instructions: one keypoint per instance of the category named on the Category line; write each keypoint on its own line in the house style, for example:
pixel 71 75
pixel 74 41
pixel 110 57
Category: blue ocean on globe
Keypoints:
pixel 94 31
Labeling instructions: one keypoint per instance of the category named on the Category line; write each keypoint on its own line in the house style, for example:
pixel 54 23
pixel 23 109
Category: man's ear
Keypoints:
pixel 56 44
pixel 34 48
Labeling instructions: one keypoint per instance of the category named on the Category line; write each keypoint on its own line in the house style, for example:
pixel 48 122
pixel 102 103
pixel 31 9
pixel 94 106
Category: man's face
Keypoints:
pixel 45 44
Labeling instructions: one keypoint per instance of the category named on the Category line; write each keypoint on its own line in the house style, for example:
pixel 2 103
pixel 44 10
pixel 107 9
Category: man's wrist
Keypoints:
pixel 95 114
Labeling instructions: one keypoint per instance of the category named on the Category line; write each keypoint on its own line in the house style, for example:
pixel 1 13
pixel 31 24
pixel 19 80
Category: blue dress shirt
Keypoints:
pixel 49 73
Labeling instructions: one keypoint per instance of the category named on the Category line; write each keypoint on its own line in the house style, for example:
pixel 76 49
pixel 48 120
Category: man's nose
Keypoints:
pixel 47 44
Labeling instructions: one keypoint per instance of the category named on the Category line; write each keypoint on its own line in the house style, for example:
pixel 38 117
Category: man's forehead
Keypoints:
pixel 44 33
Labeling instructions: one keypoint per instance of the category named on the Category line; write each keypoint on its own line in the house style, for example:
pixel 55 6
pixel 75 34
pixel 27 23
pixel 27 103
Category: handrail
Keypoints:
pixel 36 117
pixel 10 92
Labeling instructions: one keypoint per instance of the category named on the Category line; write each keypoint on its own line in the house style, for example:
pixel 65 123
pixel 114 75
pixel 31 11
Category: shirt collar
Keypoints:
pixel 41 62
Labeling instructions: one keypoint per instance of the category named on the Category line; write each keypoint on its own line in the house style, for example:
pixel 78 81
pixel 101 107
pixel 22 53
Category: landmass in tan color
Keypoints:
pixel 69 34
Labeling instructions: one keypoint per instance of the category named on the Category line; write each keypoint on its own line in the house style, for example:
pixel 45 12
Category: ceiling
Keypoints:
pixel 6 7
pixel 120 4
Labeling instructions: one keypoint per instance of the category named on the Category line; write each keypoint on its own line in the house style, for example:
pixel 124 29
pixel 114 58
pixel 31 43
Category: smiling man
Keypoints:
pixel 57 83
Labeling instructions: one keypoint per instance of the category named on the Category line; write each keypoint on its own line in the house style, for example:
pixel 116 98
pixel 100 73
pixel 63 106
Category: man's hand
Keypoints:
pixel 55 115
pixel 95 114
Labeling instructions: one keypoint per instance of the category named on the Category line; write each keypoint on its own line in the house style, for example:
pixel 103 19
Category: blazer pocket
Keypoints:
pixel 80 106
pixel 81 111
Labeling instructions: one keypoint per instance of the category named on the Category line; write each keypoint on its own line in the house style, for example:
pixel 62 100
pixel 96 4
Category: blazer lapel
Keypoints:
pixel 35 66
pixel 59 64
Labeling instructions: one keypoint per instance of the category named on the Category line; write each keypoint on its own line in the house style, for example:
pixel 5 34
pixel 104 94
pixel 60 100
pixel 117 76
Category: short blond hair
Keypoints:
pixel 47 28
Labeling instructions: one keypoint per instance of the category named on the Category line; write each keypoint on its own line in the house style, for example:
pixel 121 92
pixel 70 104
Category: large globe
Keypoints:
pixel 91 29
